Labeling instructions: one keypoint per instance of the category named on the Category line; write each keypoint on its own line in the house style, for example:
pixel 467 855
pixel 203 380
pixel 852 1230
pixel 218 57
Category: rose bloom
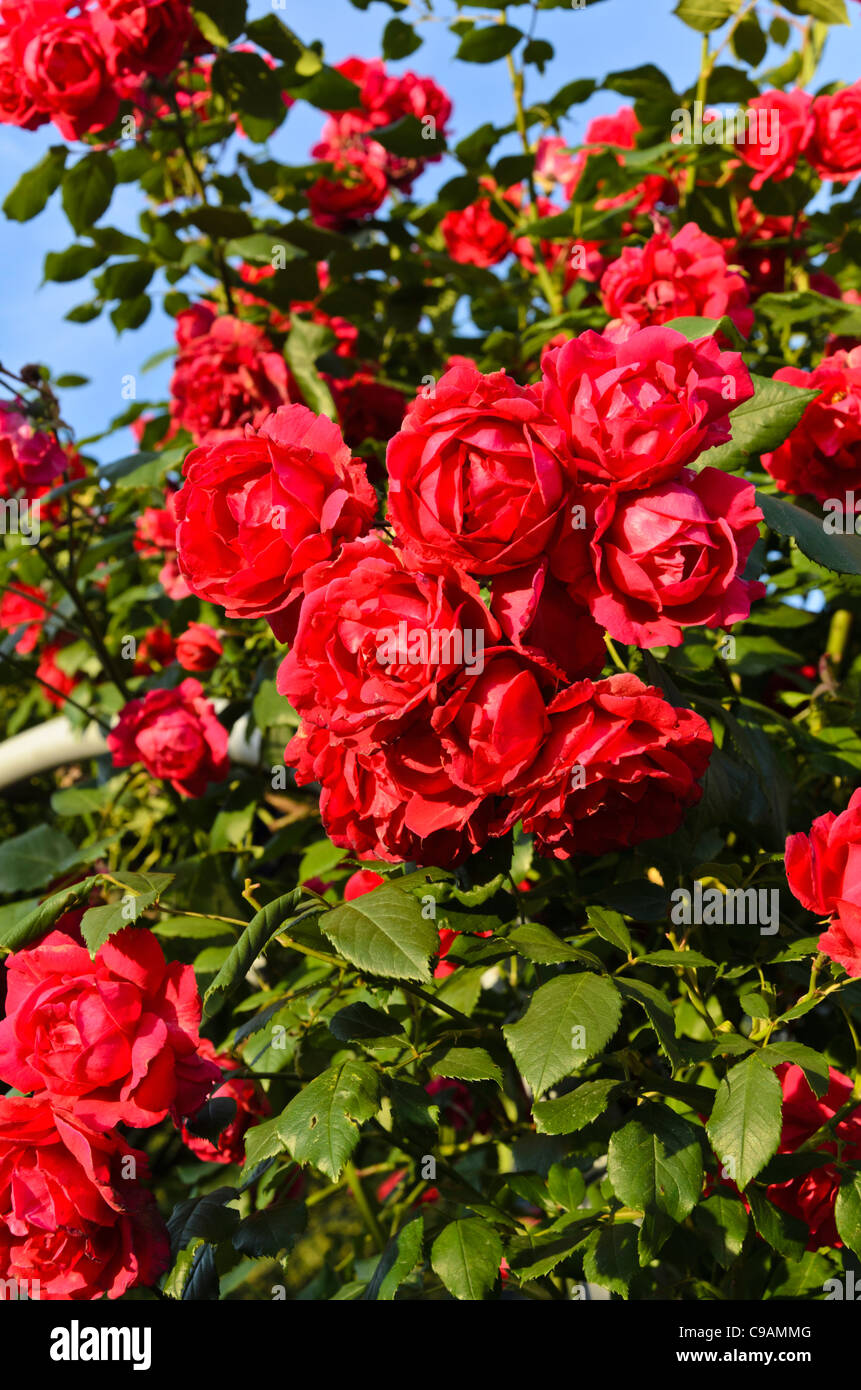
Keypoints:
pixel 115 1038
pixel 198 648
pixel 157 645
pixel 143 36
pixel 619 765
pixel 227 375
pixel 60 681
pixel 822 455
pixel 255 513
pixel 359 189
pixel 72 1225
pixel 251 1107
pixel 155 528
pixel 477 473
pixel 474 236
pixel 377 642
pixel 621 129
pixel 395 802
pixel 494 724
pixel 367 409
pixel 672 557
pixel 811 1197
pixel 17 610
pixel 29 459
pixel 61 68
pixel 823 870
pixel 547 623
pixel 637 408
pixel 176 736
pixel 172 581
pixel 786 114
pixel 362 882
pixel 675 277
pixel 763 261
pixel 835 143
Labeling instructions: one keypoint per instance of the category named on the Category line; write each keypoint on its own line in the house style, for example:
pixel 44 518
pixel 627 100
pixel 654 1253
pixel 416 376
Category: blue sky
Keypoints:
pixel 605 37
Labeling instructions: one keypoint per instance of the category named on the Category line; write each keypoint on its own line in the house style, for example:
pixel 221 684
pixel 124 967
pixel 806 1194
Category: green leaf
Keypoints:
pixel 722 1221
pixel 466 1255
pixel 486 45
pixel 87 190
pixel 847 1212
pixel 35 859
pixel 397 1262
pixel 841 554
pixel 812 1063
pixel 131 313
pixel 358 1021
pixel 544 1043
pixel 321 1124
pixel 305 342
pixel 467 1064
pixel 272 35
pixel 655 1162
pixel 34 188
pixel 72 263
pixel 829 11
pixel 399 40
pixel 538 943
pixel 610 926
pixel 786 1234
pixel 705 15
pixel 566 1114
pixel 760 424
pixel 685 960
pixel 744 1127
pixel 271 1230
pixel 610 1257
pixel 659 1013
pixel 144 891
pixel 205 1217
pixel 383 933
pixel 220 21
pixel 256 935
pixel 749 43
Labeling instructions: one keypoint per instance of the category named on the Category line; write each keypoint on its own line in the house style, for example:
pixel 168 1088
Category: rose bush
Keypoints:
pixel 430 836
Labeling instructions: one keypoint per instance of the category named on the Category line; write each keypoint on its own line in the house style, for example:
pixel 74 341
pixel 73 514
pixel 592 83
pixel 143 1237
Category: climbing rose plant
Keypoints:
pixel 446 881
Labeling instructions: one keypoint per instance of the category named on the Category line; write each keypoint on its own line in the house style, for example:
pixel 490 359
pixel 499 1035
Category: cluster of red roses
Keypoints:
pixel 363 169
pixel 435 714
pixel 97 1044
pixel 823 870
pixel 75 68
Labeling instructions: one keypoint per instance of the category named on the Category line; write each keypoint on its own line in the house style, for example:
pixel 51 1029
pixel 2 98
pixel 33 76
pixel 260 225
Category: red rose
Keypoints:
pixel 156 645
pixel 357 192
pixel 773 145
pixel 155 528
pixel 395 802
pixel 19 610
pixel 377 642
pixel 63 69
pixel 477 474
pixel 143 36
pixel 672 557
pixel 60 681
pixel 447 938
pixel 474 236
pixel 823 870
pixel 822 456
pixel 835 144
pixel 358 884
pixel 255 513
pixel 227 375
pixel 456 1103
pixel 675 277
pixel 493 725
pixel 251 1107
pixel 29 459
pixel 811 1197
pixel 176 736
pixel 622 129
pixel 367 409
pixel 637 408
pixel 198 648
pixel 73 1224
pixel 115 1038
pixel 548 624
pixel 619 765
